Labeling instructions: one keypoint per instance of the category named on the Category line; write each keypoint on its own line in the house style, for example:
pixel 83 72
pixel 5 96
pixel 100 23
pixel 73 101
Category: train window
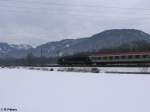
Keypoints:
pixel 123 57
pixel 95 58
pixel 102 57
pixel 105 58
pixel 116 57
pixel 99 58
pixel 145 56
pixel 130 56
pixel 137 56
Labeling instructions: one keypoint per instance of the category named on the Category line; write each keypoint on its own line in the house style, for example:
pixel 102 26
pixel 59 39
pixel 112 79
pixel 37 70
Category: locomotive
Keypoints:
pixel 75 60
pixel 107 59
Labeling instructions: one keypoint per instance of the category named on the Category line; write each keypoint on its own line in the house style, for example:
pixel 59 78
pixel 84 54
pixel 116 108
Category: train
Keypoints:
pixel 107 59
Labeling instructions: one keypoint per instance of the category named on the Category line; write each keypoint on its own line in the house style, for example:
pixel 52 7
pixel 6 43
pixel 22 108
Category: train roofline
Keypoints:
pixel 120 53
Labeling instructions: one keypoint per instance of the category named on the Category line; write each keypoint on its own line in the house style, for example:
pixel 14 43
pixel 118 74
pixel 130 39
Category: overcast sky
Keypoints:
pixel 38 21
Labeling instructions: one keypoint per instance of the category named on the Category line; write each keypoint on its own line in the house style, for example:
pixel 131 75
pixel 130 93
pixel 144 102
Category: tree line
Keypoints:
pixel 29 60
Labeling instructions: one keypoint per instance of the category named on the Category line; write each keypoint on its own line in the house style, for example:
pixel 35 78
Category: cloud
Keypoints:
pixel 35 21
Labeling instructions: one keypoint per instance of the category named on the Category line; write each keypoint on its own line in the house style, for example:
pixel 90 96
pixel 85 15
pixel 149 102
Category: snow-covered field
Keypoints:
pixel 45 91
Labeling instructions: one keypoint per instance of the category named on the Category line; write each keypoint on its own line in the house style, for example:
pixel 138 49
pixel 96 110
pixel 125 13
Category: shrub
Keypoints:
pixel 95 70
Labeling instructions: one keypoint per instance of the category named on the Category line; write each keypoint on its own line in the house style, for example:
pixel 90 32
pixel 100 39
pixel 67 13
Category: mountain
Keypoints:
pixel 109 40
pixel 13 51
pixel 21 46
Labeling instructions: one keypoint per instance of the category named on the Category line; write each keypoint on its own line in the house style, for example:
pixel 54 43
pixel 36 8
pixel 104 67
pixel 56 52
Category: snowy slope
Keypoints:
pixel 42 91
pixel 21 46
pixel 13 51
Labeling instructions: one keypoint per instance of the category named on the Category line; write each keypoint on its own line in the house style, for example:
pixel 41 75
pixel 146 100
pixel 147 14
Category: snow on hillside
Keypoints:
pixel 21 46
pixel 45 91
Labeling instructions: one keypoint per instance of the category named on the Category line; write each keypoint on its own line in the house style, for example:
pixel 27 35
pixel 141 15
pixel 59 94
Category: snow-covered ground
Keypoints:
pixel 45 91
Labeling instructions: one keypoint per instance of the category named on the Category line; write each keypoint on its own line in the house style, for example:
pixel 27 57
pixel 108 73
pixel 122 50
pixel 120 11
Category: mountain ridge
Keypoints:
pixel 109 39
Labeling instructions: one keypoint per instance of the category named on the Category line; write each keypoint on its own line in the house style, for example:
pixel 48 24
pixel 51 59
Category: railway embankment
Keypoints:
pixel 117 70
pixel 120 70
